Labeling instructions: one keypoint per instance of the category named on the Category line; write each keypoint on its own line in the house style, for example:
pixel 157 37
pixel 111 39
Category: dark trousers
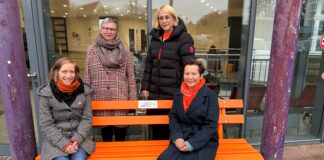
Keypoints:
pixel 159 132
pixel 108 132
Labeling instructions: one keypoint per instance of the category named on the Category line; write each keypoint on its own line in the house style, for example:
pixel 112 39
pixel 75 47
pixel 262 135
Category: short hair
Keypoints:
pixel 109 20
pixel 198 63
pixel 167 9
pixel 57 66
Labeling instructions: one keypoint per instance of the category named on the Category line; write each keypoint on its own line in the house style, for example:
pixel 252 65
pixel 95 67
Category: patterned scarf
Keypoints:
pixel 112 53
pixel 190 93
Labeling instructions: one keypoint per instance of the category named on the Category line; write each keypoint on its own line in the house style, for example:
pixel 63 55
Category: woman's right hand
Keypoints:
pixel 180 143
pixel 146 93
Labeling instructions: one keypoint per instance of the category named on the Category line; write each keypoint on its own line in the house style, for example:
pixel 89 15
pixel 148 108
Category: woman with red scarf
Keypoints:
pixel 193 118
pixel 65 114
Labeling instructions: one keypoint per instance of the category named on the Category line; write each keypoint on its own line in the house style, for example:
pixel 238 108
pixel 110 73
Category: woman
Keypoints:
pixel 109 70
pixel 65 114
pixel 171 46
pixel 193 118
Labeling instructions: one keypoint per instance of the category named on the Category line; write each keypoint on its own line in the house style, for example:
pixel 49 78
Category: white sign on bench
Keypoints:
pixel 147 104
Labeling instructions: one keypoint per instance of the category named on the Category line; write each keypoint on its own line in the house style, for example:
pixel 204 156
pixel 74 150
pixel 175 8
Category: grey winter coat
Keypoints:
pixel 59 123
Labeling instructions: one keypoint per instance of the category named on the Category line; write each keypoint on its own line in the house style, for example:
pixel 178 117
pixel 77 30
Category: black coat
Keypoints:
pixel 165 61
pixel 198 126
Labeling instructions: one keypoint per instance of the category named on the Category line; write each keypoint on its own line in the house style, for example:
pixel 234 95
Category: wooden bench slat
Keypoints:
pixel 154 119
pixel 112 105
pixel 162 104
pixel 165 142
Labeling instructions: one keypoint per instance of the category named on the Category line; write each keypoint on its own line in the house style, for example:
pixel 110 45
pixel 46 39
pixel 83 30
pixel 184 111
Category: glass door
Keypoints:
pixel 34 65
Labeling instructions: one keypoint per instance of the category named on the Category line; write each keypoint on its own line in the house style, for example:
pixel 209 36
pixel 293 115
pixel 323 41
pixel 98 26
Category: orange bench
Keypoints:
pixel 228 149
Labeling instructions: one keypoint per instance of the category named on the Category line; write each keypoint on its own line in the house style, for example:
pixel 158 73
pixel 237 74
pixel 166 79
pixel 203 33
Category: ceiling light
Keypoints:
pixel 128 11
pixel 81 8
pixel 117 8
pixel 106 12
pixel 52 11
pixel 66 13
pixel 64 5
pixel 219 12
pixel 121 15
pixel 202 1
pixel 133 3
pixel 211 7
pixel 207 4
pixel 94 10
pixel 64 16
pixel 84 16
pixel 105 6
pixel 140 17
pixel 144 6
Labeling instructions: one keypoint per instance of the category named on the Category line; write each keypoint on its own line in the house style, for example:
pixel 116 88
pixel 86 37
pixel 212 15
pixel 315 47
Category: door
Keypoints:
pixel 32 24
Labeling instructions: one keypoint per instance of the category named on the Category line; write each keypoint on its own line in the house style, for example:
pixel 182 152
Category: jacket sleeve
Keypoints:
pixel 174 121
pixel 146 80
pixel 83 130
pixel 209 128
pixel 130 76
pixel 47 126
pixel 187 50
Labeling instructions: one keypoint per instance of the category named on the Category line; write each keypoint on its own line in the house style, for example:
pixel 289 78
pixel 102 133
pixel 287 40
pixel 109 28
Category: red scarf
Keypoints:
pixel 190 93
pixel 166 35
pixel 67 88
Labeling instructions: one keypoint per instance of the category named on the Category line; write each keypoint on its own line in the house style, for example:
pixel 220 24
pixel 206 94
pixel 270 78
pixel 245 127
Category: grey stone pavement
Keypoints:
pixel 294 152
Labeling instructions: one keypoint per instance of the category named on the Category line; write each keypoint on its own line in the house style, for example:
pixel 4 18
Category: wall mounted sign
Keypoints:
pixel 322 42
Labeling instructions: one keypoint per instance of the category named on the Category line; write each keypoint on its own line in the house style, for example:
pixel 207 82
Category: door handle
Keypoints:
pixel 32 74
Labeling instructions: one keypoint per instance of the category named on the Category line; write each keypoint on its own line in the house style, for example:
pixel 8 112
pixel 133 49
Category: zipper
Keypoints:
pixel 159 55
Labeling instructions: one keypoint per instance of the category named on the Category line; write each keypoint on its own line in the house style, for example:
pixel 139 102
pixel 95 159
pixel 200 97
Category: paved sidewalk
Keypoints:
pixel 304 152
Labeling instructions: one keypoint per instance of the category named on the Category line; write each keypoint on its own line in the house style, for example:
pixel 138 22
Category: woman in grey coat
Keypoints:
pixel 65 114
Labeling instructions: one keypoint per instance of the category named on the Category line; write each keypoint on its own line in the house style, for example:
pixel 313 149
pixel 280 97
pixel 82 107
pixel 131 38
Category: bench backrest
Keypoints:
pixel 233 118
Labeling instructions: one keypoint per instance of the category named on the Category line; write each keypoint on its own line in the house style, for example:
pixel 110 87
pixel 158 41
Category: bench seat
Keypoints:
pixel 229 149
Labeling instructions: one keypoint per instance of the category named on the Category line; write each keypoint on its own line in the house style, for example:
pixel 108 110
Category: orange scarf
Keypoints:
pixel 166 35
pixel 67 88
pixel 190 93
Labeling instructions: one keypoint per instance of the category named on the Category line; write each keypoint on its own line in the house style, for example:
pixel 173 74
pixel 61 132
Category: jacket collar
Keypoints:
pixel 199 98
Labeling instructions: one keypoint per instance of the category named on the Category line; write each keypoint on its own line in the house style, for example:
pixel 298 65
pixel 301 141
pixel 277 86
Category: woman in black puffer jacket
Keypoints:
pixel 171 46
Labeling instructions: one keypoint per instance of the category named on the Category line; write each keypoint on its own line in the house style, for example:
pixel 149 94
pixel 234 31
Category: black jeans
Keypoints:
pixel 108 132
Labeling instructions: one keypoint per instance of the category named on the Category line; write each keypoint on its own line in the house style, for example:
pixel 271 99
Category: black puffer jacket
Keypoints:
pixel 165 61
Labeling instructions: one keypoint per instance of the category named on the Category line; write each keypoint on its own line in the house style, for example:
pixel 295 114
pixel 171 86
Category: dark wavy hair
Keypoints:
pixel 201 67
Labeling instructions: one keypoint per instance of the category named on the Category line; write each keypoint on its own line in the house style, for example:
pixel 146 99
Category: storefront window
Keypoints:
pixel 308 61
pixel 76 25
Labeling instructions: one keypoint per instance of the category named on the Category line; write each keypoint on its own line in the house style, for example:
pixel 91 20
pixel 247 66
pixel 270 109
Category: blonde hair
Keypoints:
pixel 167 9
pixel 57 66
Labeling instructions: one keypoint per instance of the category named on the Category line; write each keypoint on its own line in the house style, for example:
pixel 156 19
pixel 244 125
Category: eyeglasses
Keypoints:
pixel 109 29
pixel 161 18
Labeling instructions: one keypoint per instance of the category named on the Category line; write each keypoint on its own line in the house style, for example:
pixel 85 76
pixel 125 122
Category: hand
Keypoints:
pixel 146 93
pixel 181 145
pixel 75 145
pixel 69 149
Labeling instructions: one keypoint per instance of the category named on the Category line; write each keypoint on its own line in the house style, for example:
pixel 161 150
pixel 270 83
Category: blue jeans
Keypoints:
pixel 81 154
